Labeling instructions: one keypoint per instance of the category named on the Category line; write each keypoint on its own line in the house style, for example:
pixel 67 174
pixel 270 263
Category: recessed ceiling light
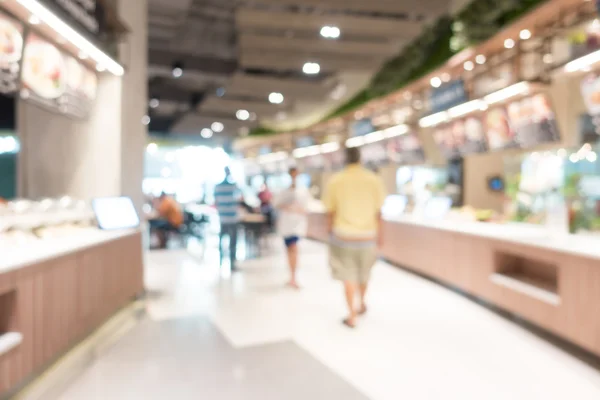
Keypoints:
pixel 217 127
pixel 330 32
pixel 469 66
pixel 311 68
pixel 146 120
pixel 525 34
pixel 242 115
pixel 480 59
pixel 34 20
pixel 276 98
pixel 154 103
pixel 509 43
pixel 435 82
pixel 206 133
pixel 177 70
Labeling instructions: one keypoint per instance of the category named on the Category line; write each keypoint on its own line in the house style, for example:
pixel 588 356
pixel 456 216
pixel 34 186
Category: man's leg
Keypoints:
pixel 350 291
pixel 292 253
pixel 362 287
pixel 221 235
pixel 368 258
pixel 233 232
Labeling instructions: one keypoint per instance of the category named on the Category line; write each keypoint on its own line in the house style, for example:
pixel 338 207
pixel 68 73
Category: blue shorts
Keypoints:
pixel 290 240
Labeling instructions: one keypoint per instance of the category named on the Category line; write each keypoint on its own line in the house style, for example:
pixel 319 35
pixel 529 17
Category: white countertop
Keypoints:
pixel 531 235
pixel 50 248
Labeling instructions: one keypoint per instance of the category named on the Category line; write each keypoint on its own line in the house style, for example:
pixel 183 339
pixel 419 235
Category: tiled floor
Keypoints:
pixel 210 335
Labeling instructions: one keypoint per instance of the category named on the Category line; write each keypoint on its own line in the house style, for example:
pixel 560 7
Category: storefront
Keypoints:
pixel 67 264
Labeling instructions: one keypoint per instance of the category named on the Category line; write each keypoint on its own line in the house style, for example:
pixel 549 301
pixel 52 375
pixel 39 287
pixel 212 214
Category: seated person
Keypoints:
pixel 170 218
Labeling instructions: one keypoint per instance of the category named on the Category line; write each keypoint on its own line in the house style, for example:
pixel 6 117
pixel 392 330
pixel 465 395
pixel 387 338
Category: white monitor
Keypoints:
pixel 115 213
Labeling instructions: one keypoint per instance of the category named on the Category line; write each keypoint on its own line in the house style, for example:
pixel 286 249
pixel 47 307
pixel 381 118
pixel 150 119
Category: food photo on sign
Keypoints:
pixel 498 129
pixel 533 121
pixel 11 51
pixel 406 149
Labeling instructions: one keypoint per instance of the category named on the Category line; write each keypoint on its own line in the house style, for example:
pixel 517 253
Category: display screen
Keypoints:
pixel 52 79
pixel 523 123
pixel 11 51
pixel 461 137
pixel 115 213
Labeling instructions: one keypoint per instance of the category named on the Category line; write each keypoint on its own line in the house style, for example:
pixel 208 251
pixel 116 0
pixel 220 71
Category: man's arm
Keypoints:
pixel 330 206
pixel 381 193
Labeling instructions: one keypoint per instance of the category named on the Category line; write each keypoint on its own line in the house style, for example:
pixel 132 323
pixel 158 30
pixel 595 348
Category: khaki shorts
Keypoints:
pixel 352 264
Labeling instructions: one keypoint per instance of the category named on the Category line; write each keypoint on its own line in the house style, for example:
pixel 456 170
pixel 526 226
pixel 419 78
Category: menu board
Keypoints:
pixel 11 51
pixel 406 149
pixel 56 81
pixel 522 124
pixel 461 137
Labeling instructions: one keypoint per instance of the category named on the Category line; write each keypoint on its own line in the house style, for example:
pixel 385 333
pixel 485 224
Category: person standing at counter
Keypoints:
pixel 353 200
pixel 227 202
pixel 291 222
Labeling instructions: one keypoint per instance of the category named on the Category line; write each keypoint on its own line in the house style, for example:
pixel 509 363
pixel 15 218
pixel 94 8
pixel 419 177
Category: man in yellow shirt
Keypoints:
pixel 353 199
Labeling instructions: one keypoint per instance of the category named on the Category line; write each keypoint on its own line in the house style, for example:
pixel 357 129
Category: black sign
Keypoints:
pixel 11 53
pixel 449 95
pixel 84 14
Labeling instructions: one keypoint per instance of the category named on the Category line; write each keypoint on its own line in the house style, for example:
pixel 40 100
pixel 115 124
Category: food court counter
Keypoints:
pixel 552 281
pixel 57 291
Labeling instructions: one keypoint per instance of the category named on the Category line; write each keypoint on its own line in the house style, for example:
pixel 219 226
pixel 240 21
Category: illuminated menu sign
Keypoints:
pixel 461 137
pixel 56 81
pixel 523 123
pixel 11 50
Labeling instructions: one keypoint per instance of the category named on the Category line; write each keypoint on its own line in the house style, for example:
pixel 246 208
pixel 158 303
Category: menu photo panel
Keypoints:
pixel 406 149
pixel 461 137
pixel 11 53
pixel 55 80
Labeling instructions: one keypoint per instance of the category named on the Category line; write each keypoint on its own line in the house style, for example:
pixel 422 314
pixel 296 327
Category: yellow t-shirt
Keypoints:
pixel 355 197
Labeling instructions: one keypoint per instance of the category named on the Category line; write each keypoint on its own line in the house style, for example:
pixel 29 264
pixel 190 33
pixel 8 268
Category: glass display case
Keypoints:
pixel 582 190
pixel 419 184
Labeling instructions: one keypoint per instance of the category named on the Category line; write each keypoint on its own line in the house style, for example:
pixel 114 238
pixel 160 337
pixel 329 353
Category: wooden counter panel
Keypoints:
pixel 481 266
pixel 61 301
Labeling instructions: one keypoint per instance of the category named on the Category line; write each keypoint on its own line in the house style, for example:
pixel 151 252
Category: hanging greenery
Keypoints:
pixel 477 22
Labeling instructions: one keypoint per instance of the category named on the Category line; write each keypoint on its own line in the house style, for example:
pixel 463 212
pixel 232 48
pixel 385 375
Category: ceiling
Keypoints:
pixel 235 53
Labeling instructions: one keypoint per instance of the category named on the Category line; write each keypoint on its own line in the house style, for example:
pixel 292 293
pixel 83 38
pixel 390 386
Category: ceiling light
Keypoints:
pixel 275 98
pixel 152 148
pixel 480 59
pixel 311 68
pixel 445 77
pixel 330 32
pixel 307 151
pixel 146 120
pixel 506 93
pixel 177 72
pixel 591 156
pixel 206 133
pixel 398 130
pixel 525 34
pixel 435 82
pixel 154 103
pixel 34 20
pixel 468 65
pixel 355 141
pixel 217 127
pixel 509 43
pixel 100 68
pixel 46 16
pixel 242 115
pixel 331 147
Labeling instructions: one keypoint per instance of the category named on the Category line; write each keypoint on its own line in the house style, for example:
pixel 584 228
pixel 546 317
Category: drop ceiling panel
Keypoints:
pixel 294 61
pixel 248 41
pixel 251 85
pixel 382 27
pixel 193 123
pixel 231 106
